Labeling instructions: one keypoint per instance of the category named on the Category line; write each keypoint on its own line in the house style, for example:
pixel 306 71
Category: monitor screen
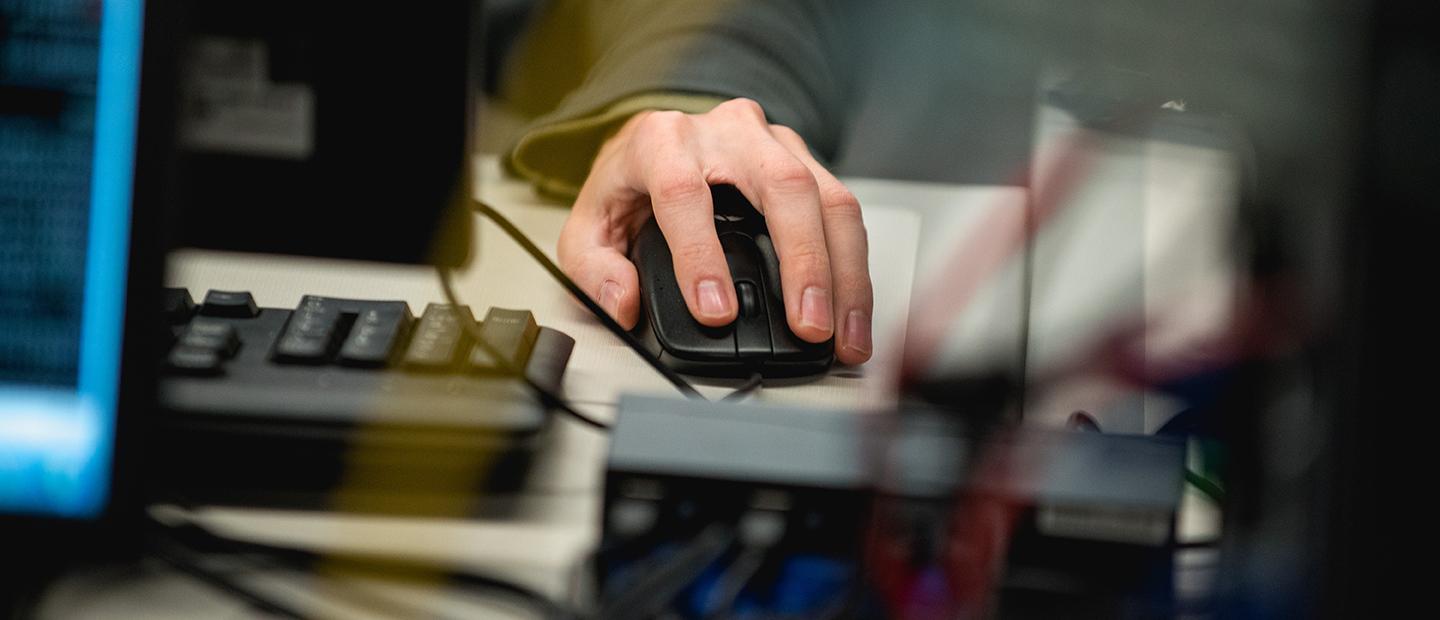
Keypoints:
pixel 69 81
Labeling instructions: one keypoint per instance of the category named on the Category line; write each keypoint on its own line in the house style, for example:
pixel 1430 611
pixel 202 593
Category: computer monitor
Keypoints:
pixel 79 271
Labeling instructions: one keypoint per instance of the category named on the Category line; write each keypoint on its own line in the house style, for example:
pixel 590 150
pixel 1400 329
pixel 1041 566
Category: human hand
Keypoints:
pixel 664 163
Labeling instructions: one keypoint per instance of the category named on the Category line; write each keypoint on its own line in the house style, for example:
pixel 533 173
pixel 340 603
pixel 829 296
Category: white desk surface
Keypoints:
pixel 914 229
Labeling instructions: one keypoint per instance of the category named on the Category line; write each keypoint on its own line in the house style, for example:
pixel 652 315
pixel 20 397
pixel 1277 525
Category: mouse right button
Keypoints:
pixel 770 265
pixel 788 347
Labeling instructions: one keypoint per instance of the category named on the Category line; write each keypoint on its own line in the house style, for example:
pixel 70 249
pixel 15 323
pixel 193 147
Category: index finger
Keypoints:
pixel 663 164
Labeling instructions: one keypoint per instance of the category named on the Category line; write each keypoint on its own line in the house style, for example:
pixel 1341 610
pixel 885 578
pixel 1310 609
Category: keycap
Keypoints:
pixel 511 333
pixel 439 339
pixel 177 305
pixel 378 327
pixel 194 361
pixel 232 304
pixel 212 335
pixel 310 334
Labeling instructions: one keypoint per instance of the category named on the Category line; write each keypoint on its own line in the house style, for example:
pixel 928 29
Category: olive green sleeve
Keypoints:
pixel 686 55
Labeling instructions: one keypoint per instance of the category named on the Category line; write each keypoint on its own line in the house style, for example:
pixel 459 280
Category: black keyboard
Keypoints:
pixel 280 405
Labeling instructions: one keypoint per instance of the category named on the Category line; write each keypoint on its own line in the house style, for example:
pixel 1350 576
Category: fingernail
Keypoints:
pixel 610 293
pixel 857 331
pixel 712 300
pixel 815 309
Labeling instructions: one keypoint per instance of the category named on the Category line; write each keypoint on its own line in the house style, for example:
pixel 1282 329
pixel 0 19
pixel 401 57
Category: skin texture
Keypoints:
pixel 663 163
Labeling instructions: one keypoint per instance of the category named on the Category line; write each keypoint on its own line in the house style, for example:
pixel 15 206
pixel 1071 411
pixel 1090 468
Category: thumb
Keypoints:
pixel 609 278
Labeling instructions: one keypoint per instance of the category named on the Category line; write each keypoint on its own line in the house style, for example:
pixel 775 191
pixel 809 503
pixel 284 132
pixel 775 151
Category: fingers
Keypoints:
pixel 664 163
pixel 848 248
pixel 785 190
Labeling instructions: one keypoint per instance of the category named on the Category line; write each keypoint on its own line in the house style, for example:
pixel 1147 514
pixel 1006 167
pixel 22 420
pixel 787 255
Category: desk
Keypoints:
pixel 561 506
pixel 914 227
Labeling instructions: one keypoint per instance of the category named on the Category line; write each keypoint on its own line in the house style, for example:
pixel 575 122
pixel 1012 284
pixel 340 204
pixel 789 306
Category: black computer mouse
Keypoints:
pixel 760 339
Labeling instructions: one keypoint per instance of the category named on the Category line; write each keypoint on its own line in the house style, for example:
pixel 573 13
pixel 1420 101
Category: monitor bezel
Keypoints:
pixel 38 545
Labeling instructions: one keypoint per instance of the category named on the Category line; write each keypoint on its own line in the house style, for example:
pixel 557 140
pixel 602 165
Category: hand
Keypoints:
pixel 664 163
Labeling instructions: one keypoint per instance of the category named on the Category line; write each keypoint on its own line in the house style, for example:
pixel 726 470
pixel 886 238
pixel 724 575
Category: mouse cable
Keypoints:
pixel 199 540
pixel 747 388
pixel 547 397
pixel 605 319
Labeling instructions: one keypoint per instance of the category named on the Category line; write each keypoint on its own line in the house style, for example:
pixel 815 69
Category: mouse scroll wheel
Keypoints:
pixel 749 296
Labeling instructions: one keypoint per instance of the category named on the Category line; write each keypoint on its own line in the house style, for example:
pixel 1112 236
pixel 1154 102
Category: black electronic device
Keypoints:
pixel 314 129
pixel 293 407
pixel 759 340
pixel 81 240
pixel 848 503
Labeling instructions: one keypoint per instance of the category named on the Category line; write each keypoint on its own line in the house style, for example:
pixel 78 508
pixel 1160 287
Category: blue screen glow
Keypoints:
pixel 67 142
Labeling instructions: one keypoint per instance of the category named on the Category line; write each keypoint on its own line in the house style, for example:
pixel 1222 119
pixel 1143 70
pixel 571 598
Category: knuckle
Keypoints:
pixel 565 245
pixel 786 133
pixel 742 107
pixel 789 175
pixel 575 266
pixel 838 201
pixel 563 252
pixel 677 187
pixel 691 254
pixel 808 257
pixel 662 123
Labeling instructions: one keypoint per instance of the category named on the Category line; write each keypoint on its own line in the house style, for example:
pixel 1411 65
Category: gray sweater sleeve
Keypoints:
pixel 781 53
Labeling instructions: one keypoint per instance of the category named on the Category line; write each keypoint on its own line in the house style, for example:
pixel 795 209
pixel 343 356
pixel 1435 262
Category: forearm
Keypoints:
pixel 689 55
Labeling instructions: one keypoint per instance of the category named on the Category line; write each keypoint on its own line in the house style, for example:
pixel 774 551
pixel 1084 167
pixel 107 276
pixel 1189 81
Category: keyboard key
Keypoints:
pixel 231 304
pixel 378 327
pixel 177 305
pixel 194 361
pixel 215 336
pixel 439 339
pixel 311 333
pixel 512 334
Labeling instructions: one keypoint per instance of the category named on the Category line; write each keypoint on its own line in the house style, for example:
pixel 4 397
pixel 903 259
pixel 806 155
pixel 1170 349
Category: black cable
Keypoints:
pixel 200 539
pixel 547 397
pixel 225 584
pixel 605 319
pixel 755 381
